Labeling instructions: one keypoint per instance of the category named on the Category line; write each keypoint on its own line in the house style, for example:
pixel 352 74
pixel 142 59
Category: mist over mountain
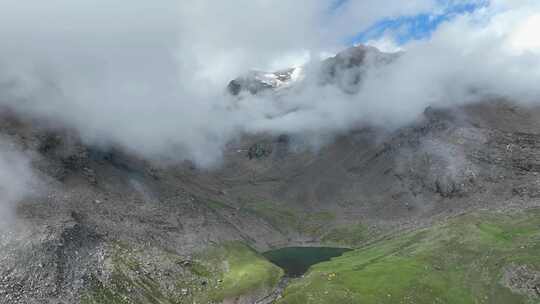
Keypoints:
pixel 154 85
pixel 151 153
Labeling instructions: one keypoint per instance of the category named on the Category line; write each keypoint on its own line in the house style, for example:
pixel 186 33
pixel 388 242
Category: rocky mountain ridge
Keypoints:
pixel 344 70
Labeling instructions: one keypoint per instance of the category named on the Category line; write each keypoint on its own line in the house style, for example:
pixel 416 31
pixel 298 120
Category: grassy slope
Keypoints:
pixel 244 271
pixel 228 271
pixel 461 261
pixel 318 225
pixel 352 235
pixel 287 219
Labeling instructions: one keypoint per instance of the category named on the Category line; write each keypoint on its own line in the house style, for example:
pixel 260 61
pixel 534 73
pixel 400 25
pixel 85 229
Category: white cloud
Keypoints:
pixel 386 43
pixel 150 77
pixel 525 37
pixel 467 59
pixel 16 180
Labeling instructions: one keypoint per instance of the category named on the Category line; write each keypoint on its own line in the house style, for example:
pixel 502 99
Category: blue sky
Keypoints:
pixel 407 28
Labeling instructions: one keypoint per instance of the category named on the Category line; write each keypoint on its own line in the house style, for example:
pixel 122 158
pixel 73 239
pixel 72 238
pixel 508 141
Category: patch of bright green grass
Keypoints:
pixel 243 270
pixel 461 261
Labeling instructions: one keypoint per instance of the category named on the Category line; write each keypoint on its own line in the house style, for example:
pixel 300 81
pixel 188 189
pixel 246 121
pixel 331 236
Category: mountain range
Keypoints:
pixel 112 227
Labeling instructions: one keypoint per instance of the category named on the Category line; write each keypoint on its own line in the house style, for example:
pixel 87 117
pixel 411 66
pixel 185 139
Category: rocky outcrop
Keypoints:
pixel 257 81
pixel 522 280
pixel 344 70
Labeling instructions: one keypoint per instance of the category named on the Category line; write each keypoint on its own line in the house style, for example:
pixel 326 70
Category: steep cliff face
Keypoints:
pixel 108 227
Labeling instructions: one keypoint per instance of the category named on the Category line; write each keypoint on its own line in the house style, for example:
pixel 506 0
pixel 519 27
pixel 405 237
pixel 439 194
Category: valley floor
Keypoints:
pixel 477 258
pixel 483 257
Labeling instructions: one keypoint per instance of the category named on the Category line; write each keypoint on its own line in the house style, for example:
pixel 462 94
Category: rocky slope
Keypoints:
pixel 109 227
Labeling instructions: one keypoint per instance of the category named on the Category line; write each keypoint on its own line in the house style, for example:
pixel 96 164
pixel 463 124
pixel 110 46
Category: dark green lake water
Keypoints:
pixel 297 260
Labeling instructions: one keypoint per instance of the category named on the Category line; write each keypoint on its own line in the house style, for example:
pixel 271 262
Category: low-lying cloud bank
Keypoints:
pixel 16 180
pixel 152 78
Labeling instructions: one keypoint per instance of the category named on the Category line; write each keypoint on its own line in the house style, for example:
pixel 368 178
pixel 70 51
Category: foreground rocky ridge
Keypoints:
pixel 109 227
